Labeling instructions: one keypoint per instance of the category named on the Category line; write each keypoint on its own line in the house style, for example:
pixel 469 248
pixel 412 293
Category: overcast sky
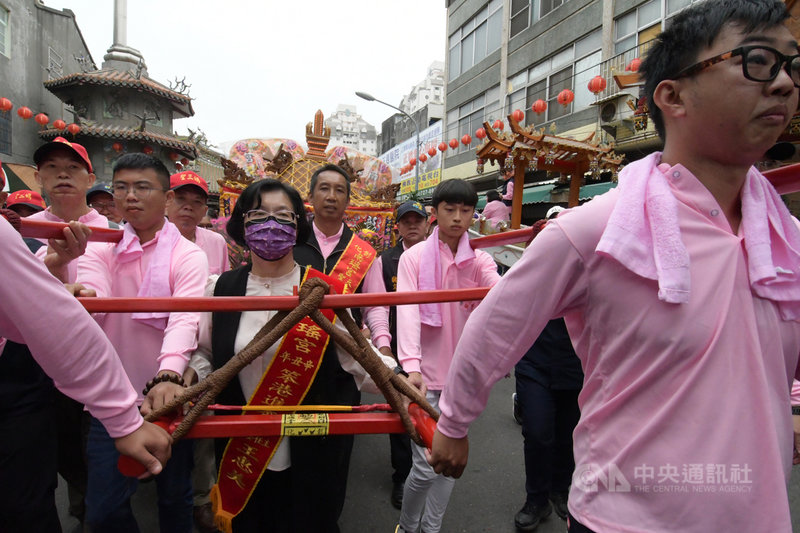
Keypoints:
pixel 262 68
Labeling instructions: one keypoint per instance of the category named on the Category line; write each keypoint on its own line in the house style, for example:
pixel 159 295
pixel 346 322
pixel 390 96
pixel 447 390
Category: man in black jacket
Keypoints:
pixel 412 226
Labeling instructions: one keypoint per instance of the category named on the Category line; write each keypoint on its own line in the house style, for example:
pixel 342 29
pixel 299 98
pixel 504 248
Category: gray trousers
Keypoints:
pixel 426 493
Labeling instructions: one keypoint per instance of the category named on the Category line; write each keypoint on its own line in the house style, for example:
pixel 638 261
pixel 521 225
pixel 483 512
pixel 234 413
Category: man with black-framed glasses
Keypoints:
pixel 152 259
pixel 681 293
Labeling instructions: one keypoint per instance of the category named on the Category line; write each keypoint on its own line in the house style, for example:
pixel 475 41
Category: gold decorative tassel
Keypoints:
pixel 222 519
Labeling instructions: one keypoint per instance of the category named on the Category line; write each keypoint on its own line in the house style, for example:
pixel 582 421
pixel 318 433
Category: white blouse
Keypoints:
pixel 250 324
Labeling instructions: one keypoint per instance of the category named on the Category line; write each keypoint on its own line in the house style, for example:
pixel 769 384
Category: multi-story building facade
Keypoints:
pixel 37 44
pixel 507 54
pixel 425 104
pixel 349 129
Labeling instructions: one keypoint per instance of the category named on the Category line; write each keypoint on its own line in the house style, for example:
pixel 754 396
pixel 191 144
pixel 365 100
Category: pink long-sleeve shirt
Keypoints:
pixel 91 219
pixel 685 419
pixel 427 349
pixel 496 212
pixel 216 249
pixel 377 318
pixel 145 350
pixel 36 310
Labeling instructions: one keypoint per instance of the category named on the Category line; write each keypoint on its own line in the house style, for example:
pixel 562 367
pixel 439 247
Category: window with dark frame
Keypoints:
pixel 5 132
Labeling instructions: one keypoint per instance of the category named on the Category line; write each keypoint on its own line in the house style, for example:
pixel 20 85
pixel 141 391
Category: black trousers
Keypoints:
pixel 400 448
pixel 548 420
pixel 28 472
pixel 310 499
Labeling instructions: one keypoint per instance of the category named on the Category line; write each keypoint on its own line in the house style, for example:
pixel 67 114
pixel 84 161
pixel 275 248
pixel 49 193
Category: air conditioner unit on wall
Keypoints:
pixel 617 108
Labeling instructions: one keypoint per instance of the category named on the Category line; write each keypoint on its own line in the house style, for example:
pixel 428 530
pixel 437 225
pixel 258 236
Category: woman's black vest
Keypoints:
pixel 332 385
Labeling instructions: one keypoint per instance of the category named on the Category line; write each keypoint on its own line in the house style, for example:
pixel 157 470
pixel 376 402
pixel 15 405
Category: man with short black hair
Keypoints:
pixel 333 248
pixel 151 260
pixel 101 200
pixel 681 293
pixel 411 220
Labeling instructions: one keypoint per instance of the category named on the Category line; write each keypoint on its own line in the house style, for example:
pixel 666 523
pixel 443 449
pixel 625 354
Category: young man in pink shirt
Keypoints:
pixel 187 208
pixel 428 333
pixel 681 293
pixel 151 260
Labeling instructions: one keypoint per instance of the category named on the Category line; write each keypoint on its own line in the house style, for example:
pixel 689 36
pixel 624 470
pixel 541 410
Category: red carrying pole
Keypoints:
pixel 215 427
pixel 41 229
pixel 279 303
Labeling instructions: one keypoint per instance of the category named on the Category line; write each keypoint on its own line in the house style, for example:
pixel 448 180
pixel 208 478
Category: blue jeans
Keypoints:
pixel 108 495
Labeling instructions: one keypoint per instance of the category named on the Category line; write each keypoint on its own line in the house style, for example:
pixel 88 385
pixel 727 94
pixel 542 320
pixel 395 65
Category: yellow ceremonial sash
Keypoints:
pixel 285 382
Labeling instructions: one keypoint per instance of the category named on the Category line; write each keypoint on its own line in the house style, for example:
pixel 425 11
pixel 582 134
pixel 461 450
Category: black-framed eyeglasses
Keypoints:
pixel 255 216
pixel 140 190
pixel 759 63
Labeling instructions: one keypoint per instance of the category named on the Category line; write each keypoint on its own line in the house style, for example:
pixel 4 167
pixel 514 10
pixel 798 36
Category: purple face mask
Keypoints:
pixel 270 240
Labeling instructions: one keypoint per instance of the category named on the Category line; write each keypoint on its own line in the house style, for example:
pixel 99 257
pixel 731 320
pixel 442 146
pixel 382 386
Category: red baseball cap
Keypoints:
pixel 61 142
pixel 187 177
pixel 25 197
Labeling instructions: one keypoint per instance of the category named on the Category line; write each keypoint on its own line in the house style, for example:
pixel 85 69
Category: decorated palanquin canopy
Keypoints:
pixel 372 196
pixel 527 148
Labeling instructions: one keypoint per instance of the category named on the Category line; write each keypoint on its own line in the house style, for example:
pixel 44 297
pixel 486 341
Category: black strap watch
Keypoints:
pixel 399 370
pixel 796 410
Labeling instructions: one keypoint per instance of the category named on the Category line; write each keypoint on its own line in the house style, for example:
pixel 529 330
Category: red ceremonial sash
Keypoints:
pixel 285 382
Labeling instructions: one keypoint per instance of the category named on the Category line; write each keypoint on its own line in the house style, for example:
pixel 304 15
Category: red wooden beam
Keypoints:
pixel 279 303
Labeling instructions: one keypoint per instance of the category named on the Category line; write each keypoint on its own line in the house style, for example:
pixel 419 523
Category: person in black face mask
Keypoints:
pixel 270 484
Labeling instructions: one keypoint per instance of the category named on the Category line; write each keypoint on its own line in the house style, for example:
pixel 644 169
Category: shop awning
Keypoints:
pixel 540 194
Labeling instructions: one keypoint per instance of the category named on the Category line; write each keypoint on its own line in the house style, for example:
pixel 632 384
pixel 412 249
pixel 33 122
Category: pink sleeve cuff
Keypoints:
pixel 382 341
pixel 412 364
pixel 448 428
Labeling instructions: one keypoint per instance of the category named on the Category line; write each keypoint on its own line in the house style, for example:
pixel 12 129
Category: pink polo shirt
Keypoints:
pixel 92 218
pixel 377 318
pixel 216 249
pixel 427 349
pixel 145 350
pixel 685 414
pixel 63 338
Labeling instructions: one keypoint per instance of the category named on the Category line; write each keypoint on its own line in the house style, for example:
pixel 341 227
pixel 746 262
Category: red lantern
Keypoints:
pixel 432 151
pixel 42 119
pixel 185 161
pixel 597 84
pixel 412 161
pixel 539 106
pixel 480 133
pixel 59 124
pixel 566 97
pixel 174 156
pixel 5 104
pixel 498 125
pixel 518 115
pixel 466 140
pixel 634 65
pixel 73 128
pixel 24 112
pixel 117 147
pixel 147 150
pixel 453 144
pixel 423 158
pixel 443 146
pixel 178 165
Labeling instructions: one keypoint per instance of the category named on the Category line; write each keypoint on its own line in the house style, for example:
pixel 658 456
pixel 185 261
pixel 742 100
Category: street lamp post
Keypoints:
pixel 370 98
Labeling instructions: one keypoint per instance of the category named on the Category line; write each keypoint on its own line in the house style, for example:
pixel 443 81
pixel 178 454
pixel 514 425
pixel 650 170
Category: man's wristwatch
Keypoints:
pixel 796 410
pixel 399 370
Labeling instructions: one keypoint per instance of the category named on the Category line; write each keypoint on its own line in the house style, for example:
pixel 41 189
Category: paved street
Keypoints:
pixel 484 500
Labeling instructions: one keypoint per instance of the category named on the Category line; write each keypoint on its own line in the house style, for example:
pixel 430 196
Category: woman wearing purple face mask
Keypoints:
pixel 299 473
